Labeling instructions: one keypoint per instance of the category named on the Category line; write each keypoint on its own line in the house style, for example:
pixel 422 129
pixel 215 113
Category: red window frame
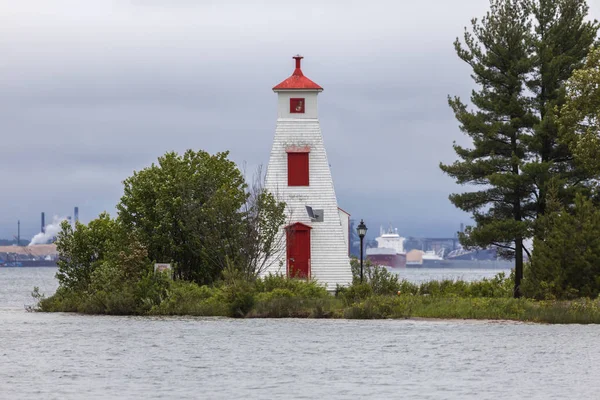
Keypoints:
pixel 297 105
pixel 298 168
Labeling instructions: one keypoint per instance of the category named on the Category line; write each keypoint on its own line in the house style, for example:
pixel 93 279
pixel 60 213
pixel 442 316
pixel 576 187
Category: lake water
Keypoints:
pixel 66 356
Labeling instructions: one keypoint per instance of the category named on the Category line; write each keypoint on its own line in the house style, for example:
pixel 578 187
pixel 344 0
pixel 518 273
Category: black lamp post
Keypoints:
pixel 362 231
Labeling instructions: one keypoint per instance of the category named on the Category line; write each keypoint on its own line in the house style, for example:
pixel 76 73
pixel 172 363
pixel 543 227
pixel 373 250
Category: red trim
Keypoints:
pixel 300 226
pixel 297 149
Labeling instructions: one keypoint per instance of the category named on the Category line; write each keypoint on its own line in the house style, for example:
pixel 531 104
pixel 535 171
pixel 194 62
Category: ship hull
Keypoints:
pixel 451 263
pixel 388 260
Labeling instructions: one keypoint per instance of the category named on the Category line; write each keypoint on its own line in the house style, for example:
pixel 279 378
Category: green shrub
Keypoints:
pixel 283 303
pixel 64 300
pixel 302 287
pixel 565 263
pixel 374 307
pixel 187 298
pixel 239 296
pixel 499 286
pixel 379 278
pixel 407 287
pixel 354 293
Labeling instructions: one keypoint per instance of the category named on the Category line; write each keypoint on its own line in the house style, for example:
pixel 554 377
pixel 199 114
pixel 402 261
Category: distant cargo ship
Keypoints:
pixel 426 259
pixel 389 251
pixel 460 258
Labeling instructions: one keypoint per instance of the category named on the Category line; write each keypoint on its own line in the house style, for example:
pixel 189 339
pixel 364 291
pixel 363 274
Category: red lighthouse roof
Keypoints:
pixel 297 81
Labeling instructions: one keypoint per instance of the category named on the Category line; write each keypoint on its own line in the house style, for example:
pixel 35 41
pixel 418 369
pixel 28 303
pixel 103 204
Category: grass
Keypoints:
pixel 557 312
pixel 278 297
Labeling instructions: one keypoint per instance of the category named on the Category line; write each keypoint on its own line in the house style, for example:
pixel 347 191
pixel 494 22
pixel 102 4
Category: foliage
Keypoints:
pixel 301 287
pixel 580 115
pixel 581 311
pixel 521 53
pixel 104 269
pixel 187 298
pixel 497 287
pixel 186 209
pixel 561 40
pixel 194 210
pixel 499 55
pixel 263 215
pixel 566 264
pixel 82 249
pixel 355 292
pixel 191 210
pixel 277 297
pixel 378 278
pixel 287 303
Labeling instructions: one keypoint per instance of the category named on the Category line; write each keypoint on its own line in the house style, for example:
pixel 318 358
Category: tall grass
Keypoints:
pixel 279 297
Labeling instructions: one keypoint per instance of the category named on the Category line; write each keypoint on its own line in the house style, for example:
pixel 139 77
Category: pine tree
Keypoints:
pixel 498 50
pixel 561 41
pixel 522 54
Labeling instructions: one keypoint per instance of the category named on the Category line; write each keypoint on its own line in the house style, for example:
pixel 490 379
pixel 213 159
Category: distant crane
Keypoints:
pixel 18 237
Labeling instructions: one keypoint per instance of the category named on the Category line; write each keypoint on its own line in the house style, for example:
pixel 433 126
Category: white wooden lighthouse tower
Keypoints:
pixel 315 235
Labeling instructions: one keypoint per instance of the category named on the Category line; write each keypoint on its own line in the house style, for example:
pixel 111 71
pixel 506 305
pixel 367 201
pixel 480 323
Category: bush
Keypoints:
pixel 307 288
pixel 64 300
pixel 381 281
pixel 283 303
pixel 187 298
pixel 498 286
pixel 354 293
pixel 565 263
pixel 374 307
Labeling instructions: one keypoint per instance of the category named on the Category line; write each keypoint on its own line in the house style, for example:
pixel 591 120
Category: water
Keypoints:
pixel 16 285
pixel 66 356
pixel 420 275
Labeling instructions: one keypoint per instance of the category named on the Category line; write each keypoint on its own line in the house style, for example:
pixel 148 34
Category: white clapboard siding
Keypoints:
pixel 329 251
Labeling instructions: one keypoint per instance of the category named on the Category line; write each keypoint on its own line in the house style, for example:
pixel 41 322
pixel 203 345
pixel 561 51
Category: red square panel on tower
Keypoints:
pixel 297 169
pixel 297 106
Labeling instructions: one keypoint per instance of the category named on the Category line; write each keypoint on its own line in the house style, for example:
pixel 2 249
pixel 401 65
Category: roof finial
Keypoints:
pixel 298 71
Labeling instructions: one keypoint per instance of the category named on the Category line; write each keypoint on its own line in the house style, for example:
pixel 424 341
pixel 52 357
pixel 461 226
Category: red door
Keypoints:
pixel 298 251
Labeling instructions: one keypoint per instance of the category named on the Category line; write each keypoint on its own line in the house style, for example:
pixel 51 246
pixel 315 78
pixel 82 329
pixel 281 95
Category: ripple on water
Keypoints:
pixel 68 356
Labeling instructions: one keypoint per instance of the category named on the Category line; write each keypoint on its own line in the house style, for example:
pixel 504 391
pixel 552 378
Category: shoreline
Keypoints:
pixel 405 307
pixel 24 311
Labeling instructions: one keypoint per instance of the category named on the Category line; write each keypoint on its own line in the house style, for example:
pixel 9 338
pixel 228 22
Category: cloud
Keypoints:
pixel 91 91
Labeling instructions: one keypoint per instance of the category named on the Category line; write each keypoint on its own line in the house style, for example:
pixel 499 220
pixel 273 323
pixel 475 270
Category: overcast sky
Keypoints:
pixel 92 90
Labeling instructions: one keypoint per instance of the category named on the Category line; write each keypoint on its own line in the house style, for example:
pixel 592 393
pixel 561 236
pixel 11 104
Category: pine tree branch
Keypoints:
pixel 503 246
pixel 528 253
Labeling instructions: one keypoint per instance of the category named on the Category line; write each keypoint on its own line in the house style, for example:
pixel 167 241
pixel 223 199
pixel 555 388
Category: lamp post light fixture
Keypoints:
pixel 361 229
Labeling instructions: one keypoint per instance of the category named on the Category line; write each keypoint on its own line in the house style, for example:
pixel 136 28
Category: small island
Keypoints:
pixel 249 249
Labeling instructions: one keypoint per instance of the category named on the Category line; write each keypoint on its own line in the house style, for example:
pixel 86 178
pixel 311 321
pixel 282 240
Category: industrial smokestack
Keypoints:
pixel 43 222
pixel 76 214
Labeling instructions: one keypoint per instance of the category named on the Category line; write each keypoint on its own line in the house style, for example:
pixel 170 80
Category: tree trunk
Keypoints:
pixel 518 217
pixel 518 267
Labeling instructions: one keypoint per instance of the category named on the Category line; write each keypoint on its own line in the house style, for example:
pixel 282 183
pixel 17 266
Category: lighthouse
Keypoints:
pixel 315 235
